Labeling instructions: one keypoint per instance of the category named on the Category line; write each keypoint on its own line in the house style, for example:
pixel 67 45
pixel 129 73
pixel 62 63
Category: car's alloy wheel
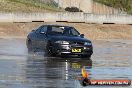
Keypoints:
pixel 86 56
pixel 49 50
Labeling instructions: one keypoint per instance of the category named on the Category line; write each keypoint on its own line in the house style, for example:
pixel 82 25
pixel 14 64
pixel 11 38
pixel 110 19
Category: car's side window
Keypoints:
pixel 38 30
pixel 43 29
pixel 74 32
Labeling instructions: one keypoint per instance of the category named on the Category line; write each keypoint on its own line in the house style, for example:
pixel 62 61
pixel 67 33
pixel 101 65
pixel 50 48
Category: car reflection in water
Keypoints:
pixel 53 72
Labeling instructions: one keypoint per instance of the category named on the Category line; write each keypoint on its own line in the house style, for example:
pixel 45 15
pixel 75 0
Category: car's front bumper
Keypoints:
pixel 68 49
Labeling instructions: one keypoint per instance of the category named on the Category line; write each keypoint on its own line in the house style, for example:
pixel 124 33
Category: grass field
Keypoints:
pixel 28 6
pixel 125 5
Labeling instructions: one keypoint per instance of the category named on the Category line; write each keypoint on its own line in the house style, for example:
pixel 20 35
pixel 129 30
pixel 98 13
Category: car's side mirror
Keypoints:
pixel 82 35
pixel 33 30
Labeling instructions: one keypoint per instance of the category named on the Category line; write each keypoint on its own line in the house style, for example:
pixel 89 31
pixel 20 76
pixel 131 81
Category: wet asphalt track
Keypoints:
pixel 111 60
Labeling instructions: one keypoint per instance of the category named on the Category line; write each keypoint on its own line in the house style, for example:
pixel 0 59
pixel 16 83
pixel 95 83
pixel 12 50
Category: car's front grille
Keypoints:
pixel 76 43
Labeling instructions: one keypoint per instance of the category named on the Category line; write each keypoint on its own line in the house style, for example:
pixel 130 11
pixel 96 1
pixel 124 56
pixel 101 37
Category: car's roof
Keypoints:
pixel 57 25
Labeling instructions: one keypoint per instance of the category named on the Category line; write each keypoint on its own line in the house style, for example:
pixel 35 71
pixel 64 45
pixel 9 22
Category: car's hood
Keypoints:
pixel 69 38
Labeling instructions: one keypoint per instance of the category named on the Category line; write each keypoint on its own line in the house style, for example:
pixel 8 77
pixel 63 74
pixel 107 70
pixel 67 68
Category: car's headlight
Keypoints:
pixel 62 42
pixel 87 43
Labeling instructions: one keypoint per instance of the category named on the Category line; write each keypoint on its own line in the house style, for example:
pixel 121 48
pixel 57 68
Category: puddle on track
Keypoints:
pixel 18 69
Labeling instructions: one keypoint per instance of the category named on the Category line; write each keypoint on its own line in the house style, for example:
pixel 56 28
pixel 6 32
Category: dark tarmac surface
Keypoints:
pixel 111 60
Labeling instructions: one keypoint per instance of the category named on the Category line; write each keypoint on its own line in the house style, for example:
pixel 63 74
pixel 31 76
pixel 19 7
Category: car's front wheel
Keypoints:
pixel 86 56
pixel 49 50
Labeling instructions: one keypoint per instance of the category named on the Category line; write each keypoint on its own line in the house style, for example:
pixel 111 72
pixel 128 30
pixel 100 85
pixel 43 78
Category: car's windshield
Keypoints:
pixel 64 31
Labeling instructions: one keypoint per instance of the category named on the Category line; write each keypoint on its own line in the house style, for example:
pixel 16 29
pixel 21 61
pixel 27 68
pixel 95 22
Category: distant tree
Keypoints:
pixel 73 9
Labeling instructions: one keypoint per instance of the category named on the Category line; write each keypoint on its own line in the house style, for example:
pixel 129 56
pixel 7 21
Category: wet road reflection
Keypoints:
pixel 18 69
pixel 55 72
pixel 37 72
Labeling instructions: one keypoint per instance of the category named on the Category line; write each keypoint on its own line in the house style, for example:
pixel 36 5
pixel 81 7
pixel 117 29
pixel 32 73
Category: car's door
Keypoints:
pixel 41 38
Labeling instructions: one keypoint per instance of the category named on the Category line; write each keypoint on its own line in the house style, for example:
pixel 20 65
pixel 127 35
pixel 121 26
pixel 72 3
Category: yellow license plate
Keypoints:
pixel 76 50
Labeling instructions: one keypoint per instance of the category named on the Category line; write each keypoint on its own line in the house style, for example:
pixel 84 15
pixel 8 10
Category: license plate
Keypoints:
pixel 76 50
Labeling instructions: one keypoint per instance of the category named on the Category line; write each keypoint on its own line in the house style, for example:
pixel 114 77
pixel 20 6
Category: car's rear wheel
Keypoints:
pixel 29 46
